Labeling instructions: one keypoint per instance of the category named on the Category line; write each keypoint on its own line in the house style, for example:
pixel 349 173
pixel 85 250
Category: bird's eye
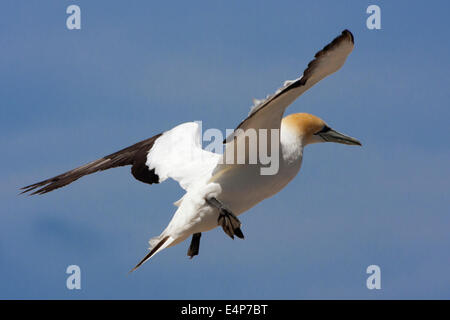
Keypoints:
pixel 324 129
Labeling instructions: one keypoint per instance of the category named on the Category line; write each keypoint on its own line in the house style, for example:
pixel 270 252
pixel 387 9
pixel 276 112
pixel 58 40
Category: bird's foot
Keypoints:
pixel 195 245
pixel 229 222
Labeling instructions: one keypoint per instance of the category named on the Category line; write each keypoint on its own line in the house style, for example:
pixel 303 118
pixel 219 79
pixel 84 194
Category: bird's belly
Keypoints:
pixel 244 186
pixel 241 188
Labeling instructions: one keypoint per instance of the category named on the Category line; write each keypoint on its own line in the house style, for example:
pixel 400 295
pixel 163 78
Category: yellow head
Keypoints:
pixel 312 129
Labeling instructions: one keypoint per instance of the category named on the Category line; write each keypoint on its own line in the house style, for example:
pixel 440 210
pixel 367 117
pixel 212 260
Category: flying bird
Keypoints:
pixel 218 190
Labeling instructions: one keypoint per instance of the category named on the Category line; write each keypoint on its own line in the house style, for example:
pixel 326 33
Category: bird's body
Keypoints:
pixel 244 186
pixel 217 189
pixel 238 186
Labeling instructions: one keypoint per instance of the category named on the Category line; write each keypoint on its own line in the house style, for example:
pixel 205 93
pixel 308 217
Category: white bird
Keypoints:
pixel 218 190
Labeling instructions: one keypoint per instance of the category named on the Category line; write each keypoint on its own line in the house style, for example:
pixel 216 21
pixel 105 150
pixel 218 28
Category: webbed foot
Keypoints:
pixel 227 219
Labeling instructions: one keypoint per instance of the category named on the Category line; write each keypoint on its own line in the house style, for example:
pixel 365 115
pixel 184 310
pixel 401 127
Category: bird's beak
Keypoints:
pixel 334 136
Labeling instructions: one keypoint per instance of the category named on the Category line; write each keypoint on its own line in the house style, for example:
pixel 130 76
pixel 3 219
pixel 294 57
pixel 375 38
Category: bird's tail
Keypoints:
pixel 157 244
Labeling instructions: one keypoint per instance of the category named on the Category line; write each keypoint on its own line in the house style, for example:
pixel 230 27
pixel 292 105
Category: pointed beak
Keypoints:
pixel 337 137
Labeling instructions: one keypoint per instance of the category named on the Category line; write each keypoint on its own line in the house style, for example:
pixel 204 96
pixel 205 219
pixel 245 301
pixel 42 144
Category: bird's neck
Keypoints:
pixel 291 146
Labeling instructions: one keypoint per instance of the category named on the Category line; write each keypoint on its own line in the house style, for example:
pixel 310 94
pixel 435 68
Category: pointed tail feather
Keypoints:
pixel 157 245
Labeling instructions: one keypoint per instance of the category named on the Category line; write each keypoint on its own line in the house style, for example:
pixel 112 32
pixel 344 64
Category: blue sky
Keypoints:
pixel 138 68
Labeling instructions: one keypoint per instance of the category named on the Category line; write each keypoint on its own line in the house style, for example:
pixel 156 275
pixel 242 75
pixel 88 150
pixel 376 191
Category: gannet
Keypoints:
pixel 218 191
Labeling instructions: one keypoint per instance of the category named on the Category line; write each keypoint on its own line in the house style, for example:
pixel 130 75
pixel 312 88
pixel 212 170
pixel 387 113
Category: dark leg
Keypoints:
pixel 195 245
pixel 229 222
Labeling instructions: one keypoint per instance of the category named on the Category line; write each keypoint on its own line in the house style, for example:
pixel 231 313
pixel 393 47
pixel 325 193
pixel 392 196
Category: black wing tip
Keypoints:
pixel 336 41
pixel 347 32
pixel 29 188
pixel 37 192
pixel 42 188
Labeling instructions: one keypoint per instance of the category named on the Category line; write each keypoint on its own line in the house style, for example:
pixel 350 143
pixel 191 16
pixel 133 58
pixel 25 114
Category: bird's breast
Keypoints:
pixel 243 186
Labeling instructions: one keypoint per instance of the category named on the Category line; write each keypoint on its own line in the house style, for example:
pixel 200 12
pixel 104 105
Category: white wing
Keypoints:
pixel 178 154
pixel 268 113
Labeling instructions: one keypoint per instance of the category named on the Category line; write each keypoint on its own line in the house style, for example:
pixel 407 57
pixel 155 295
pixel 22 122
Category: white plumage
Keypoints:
pixel 178 154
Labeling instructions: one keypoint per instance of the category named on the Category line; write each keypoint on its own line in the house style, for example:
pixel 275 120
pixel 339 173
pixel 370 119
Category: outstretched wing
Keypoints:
pixel 175 154
pixel 135 155
pixel 267 113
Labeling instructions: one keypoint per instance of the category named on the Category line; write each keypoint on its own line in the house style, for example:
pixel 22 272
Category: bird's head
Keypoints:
pixel 311 129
